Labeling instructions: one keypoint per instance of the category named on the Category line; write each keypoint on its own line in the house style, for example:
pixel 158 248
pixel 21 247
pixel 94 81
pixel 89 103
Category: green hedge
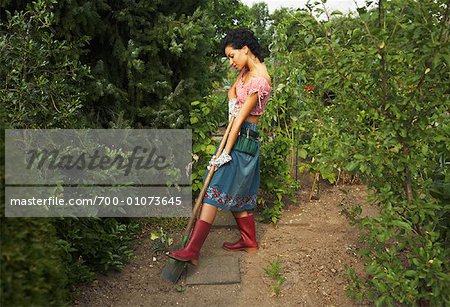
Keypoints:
pixel 32 272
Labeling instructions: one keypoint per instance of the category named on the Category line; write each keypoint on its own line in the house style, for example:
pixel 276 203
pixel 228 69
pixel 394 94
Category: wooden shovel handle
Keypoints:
pixel 199 200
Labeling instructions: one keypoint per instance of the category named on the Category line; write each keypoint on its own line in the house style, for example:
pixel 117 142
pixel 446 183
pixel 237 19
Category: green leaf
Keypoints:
pixel 402 224
pixel 336 12
pixel 380 300
pixel 210 149
pixel 410 273
pixel 154 236
pixel 303 153
pixel 180 288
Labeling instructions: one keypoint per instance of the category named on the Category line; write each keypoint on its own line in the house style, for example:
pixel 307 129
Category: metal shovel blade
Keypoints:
pixel 173 270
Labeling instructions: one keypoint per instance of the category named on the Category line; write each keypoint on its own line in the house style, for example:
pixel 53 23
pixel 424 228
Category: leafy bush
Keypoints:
pixel 388 124
pixel 42 75
pixel 276 181
pixel 92 245
pixel 43 81
pixel 205 118
pixel 31 264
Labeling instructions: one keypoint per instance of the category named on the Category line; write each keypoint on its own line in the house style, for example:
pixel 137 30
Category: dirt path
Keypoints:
pixel 312 242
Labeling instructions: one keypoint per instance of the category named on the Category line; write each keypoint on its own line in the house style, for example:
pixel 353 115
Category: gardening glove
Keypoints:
pixel 233 108
pixel 221 160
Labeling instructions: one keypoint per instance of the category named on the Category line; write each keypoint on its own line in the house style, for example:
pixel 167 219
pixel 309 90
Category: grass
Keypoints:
pixel 274 271
pixel 161 230
pixel 169 224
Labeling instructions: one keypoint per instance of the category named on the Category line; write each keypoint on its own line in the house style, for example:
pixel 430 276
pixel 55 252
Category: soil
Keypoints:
pixel 313 241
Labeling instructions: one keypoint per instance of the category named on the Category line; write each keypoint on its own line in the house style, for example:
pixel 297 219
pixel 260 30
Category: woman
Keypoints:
pixel 236 179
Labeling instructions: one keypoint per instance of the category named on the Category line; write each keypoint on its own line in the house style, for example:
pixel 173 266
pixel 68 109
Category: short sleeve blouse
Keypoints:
pixel 255 85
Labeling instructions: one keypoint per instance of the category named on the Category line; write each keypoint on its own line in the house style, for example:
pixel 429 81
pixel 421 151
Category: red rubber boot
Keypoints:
pixel 248 243
pixel 191 252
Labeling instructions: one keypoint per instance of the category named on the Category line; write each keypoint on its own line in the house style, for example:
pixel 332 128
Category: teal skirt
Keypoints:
pixel 234 186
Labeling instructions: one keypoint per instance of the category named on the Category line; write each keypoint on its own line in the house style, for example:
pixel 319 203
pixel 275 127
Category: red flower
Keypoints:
pixel 206 194
pixel 215 195
pixel 220 200
pixel 308 88
pixel 214 189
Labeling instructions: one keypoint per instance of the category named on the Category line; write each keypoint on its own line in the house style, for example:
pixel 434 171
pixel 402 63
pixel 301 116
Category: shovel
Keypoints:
pixel 174 268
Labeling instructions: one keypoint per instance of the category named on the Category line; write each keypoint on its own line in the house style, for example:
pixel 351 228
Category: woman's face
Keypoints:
pixel 237 57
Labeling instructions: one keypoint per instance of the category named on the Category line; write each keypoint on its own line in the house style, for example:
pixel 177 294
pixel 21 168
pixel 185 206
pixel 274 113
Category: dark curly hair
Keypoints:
pixel 243 37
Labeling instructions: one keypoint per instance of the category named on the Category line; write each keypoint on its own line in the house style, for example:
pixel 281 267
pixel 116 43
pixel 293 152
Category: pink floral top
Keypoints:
pixel 255 85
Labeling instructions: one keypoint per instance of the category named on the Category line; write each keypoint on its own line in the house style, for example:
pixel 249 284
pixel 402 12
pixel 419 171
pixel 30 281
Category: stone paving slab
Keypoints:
pixel 214 270
pixel 224 219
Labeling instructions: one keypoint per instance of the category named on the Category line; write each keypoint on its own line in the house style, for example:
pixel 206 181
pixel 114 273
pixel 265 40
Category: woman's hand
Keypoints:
pixel 221 160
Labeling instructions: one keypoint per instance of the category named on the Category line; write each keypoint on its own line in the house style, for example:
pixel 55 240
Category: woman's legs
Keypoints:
pixel 240 214
pixel 208 213
pixel 198 236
